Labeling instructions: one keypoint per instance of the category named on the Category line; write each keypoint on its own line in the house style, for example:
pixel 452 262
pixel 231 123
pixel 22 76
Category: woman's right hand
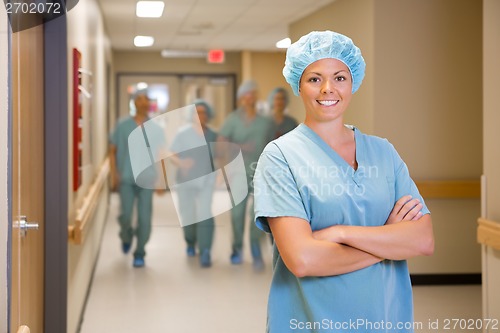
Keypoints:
pixel 405 208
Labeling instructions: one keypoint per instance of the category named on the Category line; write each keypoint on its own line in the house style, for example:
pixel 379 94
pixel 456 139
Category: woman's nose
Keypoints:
pixel 327 87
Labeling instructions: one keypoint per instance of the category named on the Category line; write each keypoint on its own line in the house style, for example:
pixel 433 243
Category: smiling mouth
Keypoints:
pixel 328 103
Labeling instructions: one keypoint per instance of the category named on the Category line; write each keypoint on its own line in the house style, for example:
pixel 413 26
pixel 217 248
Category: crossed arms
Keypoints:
pixel 342 249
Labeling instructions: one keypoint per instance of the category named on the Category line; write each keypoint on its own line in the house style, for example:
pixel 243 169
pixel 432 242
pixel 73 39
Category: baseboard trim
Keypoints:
pixel 445 279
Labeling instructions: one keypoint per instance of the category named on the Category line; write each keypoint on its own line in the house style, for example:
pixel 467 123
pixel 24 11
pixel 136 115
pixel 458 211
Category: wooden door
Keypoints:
pixel 27 283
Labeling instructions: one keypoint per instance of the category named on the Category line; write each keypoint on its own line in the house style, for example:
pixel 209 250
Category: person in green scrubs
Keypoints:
pixel 122 180
pixel 195 182
pixel 251 132
pixel 278 101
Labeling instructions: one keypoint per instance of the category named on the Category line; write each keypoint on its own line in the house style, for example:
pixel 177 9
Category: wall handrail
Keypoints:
pixel 450 189
pixel 77 231
pixel 488 233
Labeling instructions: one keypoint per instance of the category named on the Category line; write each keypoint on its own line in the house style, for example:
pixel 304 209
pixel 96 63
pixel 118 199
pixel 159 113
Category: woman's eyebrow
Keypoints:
pixel 313 73
pixel 319 74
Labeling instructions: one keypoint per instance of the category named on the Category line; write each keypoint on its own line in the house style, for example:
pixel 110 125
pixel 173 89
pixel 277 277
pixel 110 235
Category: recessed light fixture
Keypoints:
pixel 142 86
pixel 143 41
pixel 149 8
pixel 183 54
pixel 284 43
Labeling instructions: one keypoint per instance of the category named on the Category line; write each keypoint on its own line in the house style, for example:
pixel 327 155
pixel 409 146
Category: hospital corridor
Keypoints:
pixel 172 293
pixel 249 166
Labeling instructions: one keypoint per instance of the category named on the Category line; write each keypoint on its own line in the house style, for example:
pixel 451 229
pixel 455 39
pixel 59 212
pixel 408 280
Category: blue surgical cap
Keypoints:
pixel 246 87
pixel 270 98
pixel 208 108
pixel 319 45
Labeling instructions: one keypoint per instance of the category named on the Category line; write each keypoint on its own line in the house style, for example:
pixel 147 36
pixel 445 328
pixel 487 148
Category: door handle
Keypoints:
pixel 24 225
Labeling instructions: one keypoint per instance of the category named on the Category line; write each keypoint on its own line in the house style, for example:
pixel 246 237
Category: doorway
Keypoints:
pixel 170 92
pixel 27 204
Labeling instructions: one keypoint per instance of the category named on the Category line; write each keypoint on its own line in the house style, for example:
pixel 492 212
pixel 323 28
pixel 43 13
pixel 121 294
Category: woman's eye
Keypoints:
pixel 340 78
pixel 313 79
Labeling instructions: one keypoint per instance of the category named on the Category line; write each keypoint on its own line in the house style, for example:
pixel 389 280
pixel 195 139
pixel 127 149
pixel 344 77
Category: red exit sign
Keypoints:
pixel 215 56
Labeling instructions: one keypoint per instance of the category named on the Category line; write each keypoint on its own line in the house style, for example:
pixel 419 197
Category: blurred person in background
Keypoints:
pixel 251 132
pixel 278 101
pixel 196 166
pixel 122 180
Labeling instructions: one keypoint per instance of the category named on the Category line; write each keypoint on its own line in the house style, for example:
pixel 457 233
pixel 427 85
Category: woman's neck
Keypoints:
pixel 334 133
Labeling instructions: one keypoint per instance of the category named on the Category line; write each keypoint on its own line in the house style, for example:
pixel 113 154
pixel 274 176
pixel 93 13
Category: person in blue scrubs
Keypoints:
pixel 278 101
pixel 196 183
pixel 122 179
pixel 251 132
pixel 341 205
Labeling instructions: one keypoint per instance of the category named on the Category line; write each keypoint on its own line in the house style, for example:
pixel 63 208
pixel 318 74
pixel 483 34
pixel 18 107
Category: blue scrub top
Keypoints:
pixel 299 175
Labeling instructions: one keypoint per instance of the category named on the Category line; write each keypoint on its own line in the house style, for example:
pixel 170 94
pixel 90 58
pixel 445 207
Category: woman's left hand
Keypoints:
pixel 405 208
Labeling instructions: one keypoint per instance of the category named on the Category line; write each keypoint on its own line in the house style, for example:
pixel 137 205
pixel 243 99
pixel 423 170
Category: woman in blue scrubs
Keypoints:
pixel 340 204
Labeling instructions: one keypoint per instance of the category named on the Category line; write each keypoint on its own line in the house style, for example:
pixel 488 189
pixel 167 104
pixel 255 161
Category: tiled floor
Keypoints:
pixel 173 294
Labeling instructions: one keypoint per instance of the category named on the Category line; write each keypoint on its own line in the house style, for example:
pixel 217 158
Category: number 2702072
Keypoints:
pixel 33 8
pixel 470 324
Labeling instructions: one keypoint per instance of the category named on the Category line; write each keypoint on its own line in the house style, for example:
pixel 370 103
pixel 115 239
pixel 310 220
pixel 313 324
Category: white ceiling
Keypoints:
pixel 207 24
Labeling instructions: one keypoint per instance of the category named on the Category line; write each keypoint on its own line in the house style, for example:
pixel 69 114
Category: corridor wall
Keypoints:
pixel 420 106
pixel 86 32
pixel 491 67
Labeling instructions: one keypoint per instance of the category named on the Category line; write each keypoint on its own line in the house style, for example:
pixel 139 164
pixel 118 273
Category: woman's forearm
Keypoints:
pixel 306 256
pixel 402 240
pixel 326 259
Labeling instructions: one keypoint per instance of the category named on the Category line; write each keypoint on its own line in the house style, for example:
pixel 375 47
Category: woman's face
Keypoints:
pixel 326 90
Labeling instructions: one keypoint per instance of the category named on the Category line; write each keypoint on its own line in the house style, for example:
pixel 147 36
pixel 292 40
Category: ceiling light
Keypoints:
pixel 284 43
pixel 143 41
pixel 149 8
pixel 142 86
pixel 183 54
